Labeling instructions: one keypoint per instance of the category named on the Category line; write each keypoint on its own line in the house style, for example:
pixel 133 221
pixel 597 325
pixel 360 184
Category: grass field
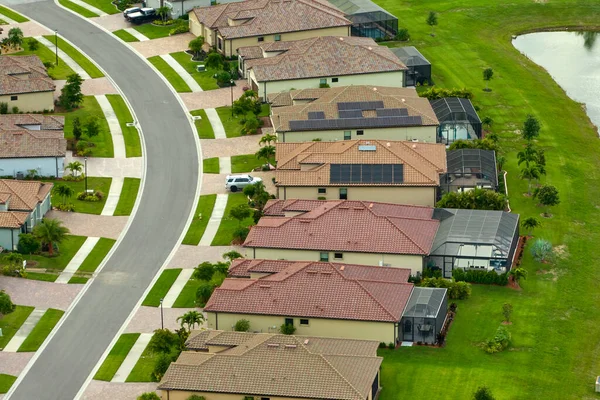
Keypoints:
pixel 553 312
pixel 206 203
pixel 131 186
pixel 203 126
pixel 6 382
pixel 210 165
pixel 245 163
pixel 187 297
pixel 228 225
pixel 79 58
pixel 77 8
pixel 78 280
pixel 93 260
pixel 204 79
pixel 86 207
pixel 10 323
pixel 115 358
pixel 231 124
pixel 39 276
pixel 66 251
pixel 41 330
pixel 153 31
pixel 173 77
pixel 161 287
pixel 104 5
pixel 12 15
pixel 125 36
pixel 133 146
pixel 60 71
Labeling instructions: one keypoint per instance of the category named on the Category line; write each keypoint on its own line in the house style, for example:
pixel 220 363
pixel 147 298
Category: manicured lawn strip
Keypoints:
pixel 205 79
pixel 10 323
pixel 245 163
pixel 187 297
pixel 161 287
pixel 125 36
pixel 79 58
pixel 38 276
pixel 131 136
pixel 103 145
pixel 206 203
pixel 104 5
pixel 152 31
pixel 93 260
pixel 3 22
pixel 77 8
pixel 60 71
pixel 6 381
pixel 203 126
pixel 41 330
pixel 12 15
pixel 173 77
pixel 131 186
pixel 231 124
pixel 117 355
pixel 86 207
pixel 143 368
pixel 210 165
pixel 228 225
pixel 78 279
pixel 66 251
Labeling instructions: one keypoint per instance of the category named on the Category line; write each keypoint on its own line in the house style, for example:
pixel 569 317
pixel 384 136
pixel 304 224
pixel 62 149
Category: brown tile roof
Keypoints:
pixel 23 74
pixel 287 98
pixel 267 17
pixel 25 195
pixel 308 164
pixel 317 290
pixel 17 141
pixel 353 226
pixel 322 57
pixel 12 219
pixel 399 99
pixel 280 366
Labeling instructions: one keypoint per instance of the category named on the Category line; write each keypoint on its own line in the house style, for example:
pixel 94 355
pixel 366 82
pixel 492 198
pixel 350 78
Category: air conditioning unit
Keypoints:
pixel 200 68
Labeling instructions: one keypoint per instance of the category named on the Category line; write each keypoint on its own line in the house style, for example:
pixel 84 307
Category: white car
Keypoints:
pixel 131 11
pixel 238 182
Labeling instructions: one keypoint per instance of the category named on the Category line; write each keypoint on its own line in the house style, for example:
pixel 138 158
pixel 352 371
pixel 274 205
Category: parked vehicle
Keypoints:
pixel 238 182
pixel 144 15
pixel 131 11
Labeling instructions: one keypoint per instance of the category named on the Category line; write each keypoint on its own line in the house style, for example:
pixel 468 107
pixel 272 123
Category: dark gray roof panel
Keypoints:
pixel 316 115
pixel 410 56
pixel 454 109
pixel 463 161
pixel 424 302
pixel 354 123
pixel 392 112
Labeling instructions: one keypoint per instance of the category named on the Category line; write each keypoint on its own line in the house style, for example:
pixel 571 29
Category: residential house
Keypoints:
pixel 32 142
pixel 469 169
pixel 458 119
pixel 317 62
pixel 228 27
pixel 23 204
pixel 236 365
pixel 353 112
pixel 374 170
pixel 25 84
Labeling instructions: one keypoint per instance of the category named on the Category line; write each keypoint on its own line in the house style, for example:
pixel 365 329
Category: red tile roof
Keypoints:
pixel 318 290
pixel 23 74
pixel 24 195
pixel 17 140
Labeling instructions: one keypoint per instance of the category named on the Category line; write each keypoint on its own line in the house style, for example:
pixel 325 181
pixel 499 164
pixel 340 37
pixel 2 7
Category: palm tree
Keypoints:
pixel 487 121
pixel 64 191
pixel 266 152
pixel 530 172
pixel 530 224
pixel 527 155
pixel 191 319
pixel 50 231
pixel 517 274
pixel 267 139
pixel 15 37
pixel 75 167
pixel 163 12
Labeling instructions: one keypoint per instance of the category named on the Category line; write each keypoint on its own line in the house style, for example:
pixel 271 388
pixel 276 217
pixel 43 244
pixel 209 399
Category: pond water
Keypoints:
pixel 572 59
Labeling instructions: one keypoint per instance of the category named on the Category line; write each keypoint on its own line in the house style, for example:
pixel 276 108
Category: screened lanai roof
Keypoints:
pixel 351 7
pixel 463 161
pixel 477 228
pixel 424 302
pixel 451 109
pixel 410 56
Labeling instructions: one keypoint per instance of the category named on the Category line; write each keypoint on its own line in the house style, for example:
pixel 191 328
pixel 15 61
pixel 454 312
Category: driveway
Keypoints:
pixel 91 225
pixel 89 87
pixel 230 147
pixel 215 183
pixel 112 22
pixel 157 47
pixel 29 28
pixel 27 292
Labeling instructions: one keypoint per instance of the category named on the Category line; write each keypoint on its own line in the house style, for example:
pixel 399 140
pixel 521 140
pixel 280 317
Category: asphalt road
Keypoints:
pixel 167 200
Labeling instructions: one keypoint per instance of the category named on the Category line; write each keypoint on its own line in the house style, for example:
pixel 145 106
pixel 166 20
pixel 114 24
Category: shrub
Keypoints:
pixel 99 195
pixel 439 338
pixel 204 271
pixel 71 96
pixel 241 233
pixel 321 198
pixel 6 304
pixel 431 272
pixel 287 329
pixel 479 276
pixel 382 345
pixel 15 110
pixel 324 85
pixel 402 35
pixel 499 342
pixel 181 28
pixel 28 244
pixel 541 250
pixel 483 393
pixel 123 4
pixel 166 23
pixel 161 365
pixel 3 108
pixel 203 293
pixel 82 145
pixel 66 207
pixel 148 396
pixel 162 341
pixel 391 346
pixel 456 290
pixel 33 44
pixel 438 93
pixel 223 78
pixel 243 325
pixel 476 199
pixel 507 310
pixel 83 196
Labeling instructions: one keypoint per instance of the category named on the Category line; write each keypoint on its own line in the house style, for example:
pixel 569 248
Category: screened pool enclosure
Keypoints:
pixel 368 19
pixel 458 119
pixel 424 315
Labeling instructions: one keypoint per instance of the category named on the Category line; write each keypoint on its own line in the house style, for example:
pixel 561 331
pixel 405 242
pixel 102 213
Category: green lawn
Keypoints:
pixel 10 324
pixel 143 368
pixel 78 280
pixel 104 5
pixel 231 124
pixel 86 207
pixel 117 355
pixel 203 126
pixel 153 31
pixel 161 287
pixel 103 145
pixel 205 79
pixel 245 163
pixel 548 359
pixel 228 225
pixel 12 15
pixel 40 276
pixel 6 382
pixel 3 22
pixel 60 71
pixel 265 110
pixel 133 147
pixel 210 165
pixel 206 203
pixel 125 36
pixel 173 77
pixel 67 250
pixel 79 58
pixel 41 330
pixel 93 260
pixel 131 186
pixel 78 9
pixel 187 297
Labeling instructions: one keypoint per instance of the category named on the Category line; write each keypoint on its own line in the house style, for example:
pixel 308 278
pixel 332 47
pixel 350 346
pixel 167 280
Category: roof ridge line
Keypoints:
pixel 375 299
pixel 418 170
pixel 335 12
pixel 405 235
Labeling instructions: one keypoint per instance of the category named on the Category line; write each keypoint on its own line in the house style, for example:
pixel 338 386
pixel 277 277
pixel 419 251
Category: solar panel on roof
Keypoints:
pixel 316 115
pixel 392 112
pixel 354 123
pixel 366 173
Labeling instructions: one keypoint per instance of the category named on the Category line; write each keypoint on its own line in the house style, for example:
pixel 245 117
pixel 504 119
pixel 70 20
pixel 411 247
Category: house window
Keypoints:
pixel 360 133
pixel 304 322
pixel 338 256
pixel 220 43
pixel 323 81
pixel 289 321
pixel 334 79
pixel 324 257
pixel 322 190
pixel 14 98
pixel 261 39
pixel 277 38
pixel 347 135
pixel 343 194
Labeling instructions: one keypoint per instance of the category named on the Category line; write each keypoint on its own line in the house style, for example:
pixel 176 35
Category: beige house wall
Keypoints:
pixel 198 29
pixel 30 102
pixel 421 133
pixel 420 196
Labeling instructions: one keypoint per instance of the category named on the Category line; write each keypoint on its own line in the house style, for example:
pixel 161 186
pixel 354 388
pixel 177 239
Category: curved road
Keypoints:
pixel 167 200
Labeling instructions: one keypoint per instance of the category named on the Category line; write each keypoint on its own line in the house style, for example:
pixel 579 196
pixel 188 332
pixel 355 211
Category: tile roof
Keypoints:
pixel 322 57
pixel 23 74
pixel 308 164
pixel 345 225
pixel 12 219
pixel 327 102
pixel 25 195
pixel 17 141
pixel 267 17
pixel 280 366
pixel 318 290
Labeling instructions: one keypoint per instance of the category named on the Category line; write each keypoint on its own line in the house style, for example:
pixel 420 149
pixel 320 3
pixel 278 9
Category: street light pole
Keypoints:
pixel 162 325
pixel 231 86
pixel 56 44
pixel 85 162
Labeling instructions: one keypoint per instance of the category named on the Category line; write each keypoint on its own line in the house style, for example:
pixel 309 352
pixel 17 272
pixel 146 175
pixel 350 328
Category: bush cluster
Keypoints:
pixel 456 290
pixel 402 35
pixel 70 207
pixel 182 27
pixel 165 23
pixel 167 346
pixel 91 197
pixel 211 275
pixel 439 93
pixel 71 178
pixel 480 276
pixel 499 342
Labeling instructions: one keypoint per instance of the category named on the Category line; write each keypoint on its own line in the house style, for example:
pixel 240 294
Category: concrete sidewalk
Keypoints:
pixel 64 57
pixel 89 7
pixel 24 330
pixel 173 294
pixel 8 20
pixel 215 122
pixel 188 256
pixel 136 34
pixel 84 251
pixel 225 165
pixel 187 78
pixel 114 193
pixel 215 220
pixel 113 125
pixel 132 358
